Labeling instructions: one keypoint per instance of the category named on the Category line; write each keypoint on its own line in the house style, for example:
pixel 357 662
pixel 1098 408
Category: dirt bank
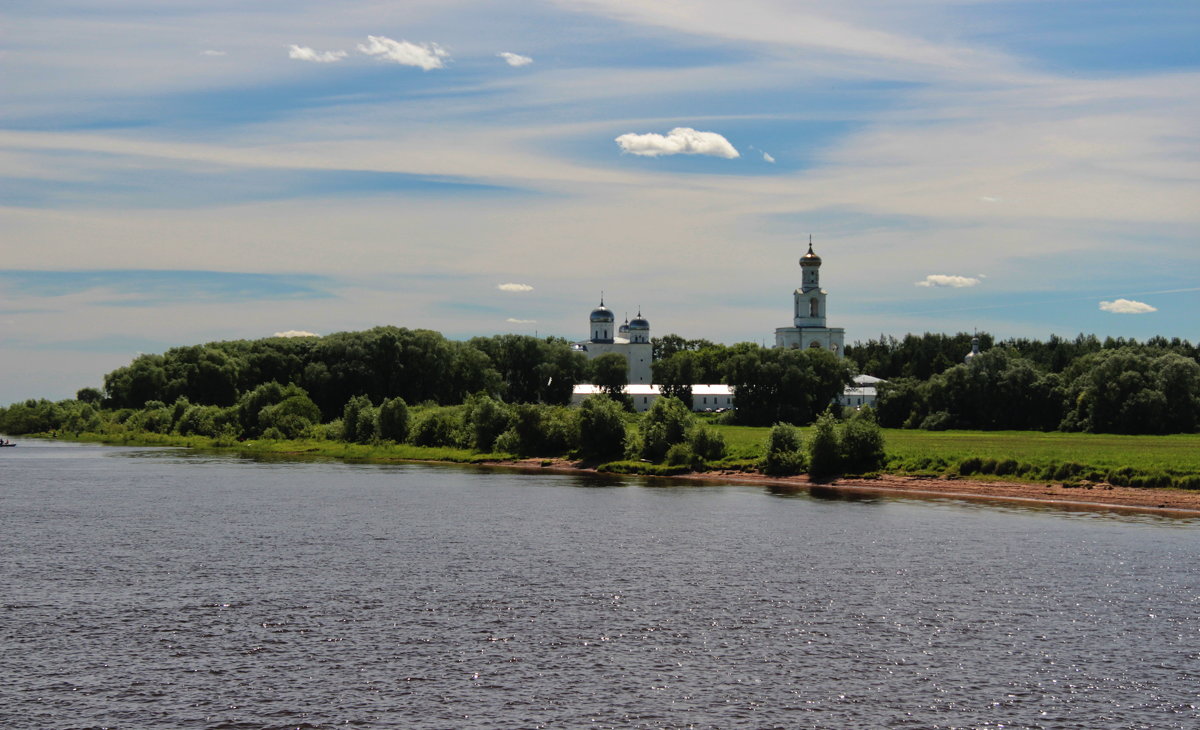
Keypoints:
pixel 1177 501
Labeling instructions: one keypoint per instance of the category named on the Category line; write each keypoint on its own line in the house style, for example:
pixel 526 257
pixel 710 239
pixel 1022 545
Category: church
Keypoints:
pixel 632 340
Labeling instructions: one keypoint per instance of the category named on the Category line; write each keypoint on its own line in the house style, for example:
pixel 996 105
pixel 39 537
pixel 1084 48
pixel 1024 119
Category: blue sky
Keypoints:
pixel 174 173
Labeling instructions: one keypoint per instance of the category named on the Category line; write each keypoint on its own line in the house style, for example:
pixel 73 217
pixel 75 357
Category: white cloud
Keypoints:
pixel 768 158
pixel 304 53
pixel 515 59
pixel 514 287
pixel 956 282
pixel 295 333
pixel 1127 306
pixel 511 320
pixel 679 141
pixel 989 199
pixel 425 56
pixel 212 53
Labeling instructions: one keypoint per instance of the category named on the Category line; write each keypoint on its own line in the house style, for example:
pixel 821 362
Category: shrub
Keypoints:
pixel 969 465
pixel 1067 470
pixel 435 427
pixel 359 422
pixel 937 421
pixel 861 443
pixel 707 444
pixel 784 453
pixel 1007 466
pixel 665 424
pixel 681 454
pixel 484 419
pixel 1189 482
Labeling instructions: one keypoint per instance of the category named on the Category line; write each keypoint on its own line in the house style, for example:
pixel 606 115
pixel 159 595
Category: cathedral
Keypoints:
pixel 631 340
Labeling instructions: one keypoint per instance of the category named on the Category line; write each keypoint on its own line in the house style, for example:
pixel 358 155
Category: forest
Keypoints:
pixel 244 388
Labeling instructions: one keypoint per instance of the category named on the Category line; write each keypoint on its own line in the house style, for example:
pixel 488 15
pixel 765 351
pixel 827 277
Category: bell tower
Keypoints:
pixel 809 300
pixel 808 330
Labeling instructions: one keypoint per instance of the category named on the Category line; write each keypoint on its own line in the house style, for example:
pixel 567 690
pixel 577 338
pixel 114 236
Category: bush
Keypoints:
pixel 393 420
pixel 707 444
pixel 435 427
pixel 681 454
pixel 970 465
pixel 665 424
pixel 937 421
pixel 484 419
pixel 1007 466
pixel 784 453
pixel 601 428
pixel 861 443
pixel 824 452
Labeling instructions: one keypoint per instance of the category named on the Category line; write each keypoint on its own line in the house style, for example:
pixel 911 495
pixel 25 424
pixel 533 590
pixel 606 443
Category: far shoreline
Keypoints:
pixel 1145 500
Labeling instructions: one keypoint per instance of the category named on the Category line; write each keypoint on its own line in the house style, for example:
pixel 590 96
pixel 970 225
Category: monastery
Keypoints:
pixel 631 339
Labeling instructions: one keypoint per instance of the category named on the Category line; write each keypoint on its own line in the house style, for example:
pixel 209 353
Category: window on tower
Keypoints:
pixel 813 306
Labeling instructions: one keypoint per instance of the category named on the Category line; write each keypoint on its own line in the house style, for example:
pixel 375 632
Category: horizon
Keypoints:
pixel 219 172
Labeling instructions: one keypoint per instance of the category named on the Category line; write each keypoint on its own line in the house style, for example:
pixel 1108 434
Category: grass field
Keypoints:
pixel 1025 454
pixel 1150 461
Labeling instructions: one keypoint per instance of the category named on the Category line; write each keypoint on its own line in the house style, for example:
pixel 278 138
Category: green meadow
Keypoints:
pixel 1172 460
pixel 1030 456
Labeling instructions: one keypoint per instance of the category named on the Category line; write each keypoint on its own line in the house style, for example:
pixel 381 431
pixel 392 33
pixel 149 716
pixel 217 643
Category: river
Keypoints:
pixel 158 588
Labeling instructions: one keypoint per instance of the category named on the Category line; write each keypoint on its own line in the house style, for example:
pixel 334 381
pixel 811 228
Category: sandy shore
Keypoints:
pixel 1095 496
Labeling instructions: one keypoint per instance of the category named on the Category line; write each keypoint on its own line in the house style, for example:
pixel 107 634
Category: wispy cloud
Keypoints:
pixel 295 333
pixel 511 320
pixel 140 287
pixel 515 59
pixel 304 53
pixel 426 56
pixel 768 158
pixel 949 280
pixel 1127 306
pixel 679 141
pixel 514 287
pixel 211 52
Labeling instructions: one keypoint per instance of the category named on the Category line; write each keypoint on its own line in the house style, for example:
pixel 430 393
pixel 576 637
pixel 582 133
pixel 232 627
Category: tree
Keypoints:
pixel 772 385
pixel 601 428
pixel 290 417
pixel 359 420
pixel 393 420
pixel 824 452
pixel 676 374
pixel 610 373
pixel 484 419
pixel 91 396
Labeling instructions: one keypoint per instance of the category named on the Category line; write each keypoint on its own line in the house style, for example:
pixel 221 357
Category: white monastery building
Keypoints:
pixel 632 341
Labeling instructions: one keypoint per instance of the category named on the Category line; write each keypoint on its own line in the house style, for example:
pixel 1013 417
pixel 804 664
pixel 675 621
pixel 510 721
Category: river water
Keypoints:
pixel 153 588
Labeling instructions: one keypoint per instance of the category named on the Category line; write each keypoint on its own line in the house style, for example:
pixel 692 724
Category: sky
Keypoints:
pixel 204 170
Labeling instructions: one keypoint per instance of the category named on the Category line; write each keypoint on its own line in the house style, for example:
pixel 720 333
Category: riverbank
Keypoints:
pixel 1069 493
pixel 1091 496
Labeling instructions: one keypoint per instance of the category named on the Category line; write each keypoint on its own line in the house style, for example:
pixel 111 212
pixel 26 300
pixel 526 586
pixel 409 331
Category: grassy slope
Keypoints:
pixel 908 451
